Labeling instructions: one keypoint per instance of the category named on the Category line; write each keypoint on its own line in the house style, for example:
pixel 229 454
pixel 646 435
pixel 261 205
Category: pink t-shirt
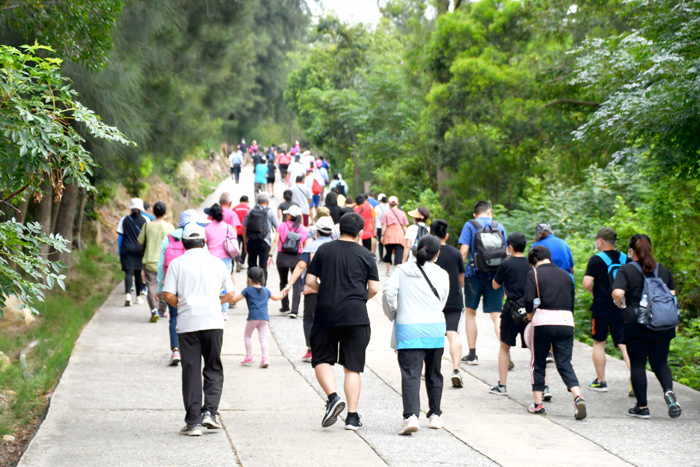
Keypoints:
pixel 285 227
pixel 231 218
pixel 216 235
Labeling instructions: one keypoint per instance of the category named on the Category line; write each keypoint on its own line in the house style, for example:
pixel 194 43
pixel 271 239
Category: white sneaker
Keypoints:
pixel 410 425
pixel 127 300
pixel 435 422
pixel 139 300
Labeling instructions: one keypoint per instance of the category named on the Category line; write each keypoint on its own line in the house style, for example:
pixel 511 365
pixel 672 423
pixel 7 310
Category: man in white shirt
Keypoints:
pixel 301 196
pixel 295 169
pixel 193 284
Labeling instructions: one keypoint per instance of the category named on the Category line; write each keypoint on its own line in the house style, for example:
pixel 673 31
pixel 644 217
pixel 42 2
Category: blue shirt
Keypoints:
pixel 467 238
pixel 257 302
pixel 560 251
pixel 261 173
pixel 373 202
pixel 237 159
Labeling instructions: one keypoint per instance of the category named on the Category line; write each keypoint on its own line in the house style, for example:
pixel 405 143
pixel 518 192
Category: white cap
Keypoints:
pixel 324 224
pixel 193 231
pixel 136 203
pixel 393 200
pixel 381 195
pixel 293 210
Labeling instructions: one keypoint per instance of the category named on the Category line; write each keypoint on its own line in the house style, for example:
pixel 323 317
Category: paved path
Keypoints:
pixel 119 404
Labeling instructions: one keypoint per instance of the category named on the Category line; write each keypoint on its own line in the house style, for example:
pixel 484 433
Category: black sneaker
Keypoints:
pixel 550 357
pixel 674 410
pixel 352 422
pixel 547 394
pixel 191 430
pixel 333 409
pixel 579 408
pixel 210 421
pixel 639 413
pixel 499 390
pixel 471 360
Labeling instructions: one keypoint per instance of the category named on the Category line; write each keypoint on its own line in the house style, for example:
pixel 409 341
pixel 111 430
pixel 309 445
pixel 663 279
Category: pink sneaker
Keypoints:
pixel 247 360
pixel 306 357
pixel 264 363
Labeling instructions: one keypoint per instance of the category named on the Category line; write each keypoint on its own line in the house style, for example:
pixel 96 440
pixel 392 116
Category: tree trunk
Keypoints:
pixel 443 6
pixel 442 176
pixel 355 163
pixel 458 3
pixel 81 214
pixel 43 213
pixel 66 217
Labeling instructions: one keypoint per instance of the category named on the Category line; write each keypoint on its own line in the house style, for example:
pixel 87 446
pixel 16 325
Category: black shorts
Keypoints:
pixel 352 341
pixel 367 243
pixel 510 330
pixel 452 319
pixel 605 320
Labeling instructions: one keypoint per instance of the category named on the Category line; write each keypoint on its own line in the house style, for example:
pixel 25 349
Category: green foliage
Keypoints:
pixel 684 357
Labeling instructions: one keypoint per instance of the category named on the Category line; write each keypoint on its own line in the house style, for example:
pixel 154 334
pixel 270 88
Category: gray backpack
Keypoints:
pixel 657 309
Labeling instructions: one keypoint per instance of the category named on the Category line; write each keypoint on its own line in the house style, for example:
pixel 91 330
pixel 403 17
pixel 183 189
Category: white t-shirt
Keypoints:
pixel 309 161
pixel 301 194
pixel 197 279
pixel 295 169
pixel 412 233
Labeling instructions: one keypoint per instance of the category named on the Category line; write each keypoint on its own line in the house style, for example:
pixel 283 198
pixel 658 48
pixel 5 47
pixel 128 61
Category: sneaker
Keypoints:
pixel 333 409
pixel 499 390
pixel 579 408
pixel 601 386
pixel 307 357
pixel 469 360
pixel 264 363
pixel 247 360
pixel 225 315
pixel 457 379
pixel 127 300
pixel 293 315
pixel 410 425
pixel 352 422
pixel 163 314
pixel 191 430
pixel 674 410
pixel 144 292
pixel 285 310
pixel 154 316
pixel 435 422
pixel 547 394
pixel 139 300
pixel 511 365
pixel 210 421
pixel 638 412
pixel 550 357
pixel 175 358
pixel 536 409
pixel 238 267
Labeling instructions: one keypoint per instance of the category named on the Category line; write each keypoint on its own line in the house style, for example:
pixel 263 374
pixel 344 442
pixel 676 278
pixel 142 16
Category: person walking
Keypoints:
pixel 558 248
pixel 130 251
pixel 257 233
pixel 270 177
pixel 284 159
pixel 644 344
pixel 241 210
pixel 379 210
pixel 229 216
pixel 192 285
pixel 414 299
pixel 301 196
pixel 289 243
pixel 332 205
pixel 216 234
pixel 236 162
pixel 364 209
pixel 605 316
pixel 451 261
pixel 260 185
pixel 478 282
pixel 415 232
pixel 295 169
pixel 394 224
pixel 341 331
pixel 339 185
pixel 151 236
pixel 549 302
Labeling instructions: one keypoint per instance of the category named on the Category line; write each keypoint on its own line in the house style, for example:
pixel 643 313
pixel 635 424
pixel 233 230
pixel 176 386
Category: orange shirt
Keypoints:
pixel 367 213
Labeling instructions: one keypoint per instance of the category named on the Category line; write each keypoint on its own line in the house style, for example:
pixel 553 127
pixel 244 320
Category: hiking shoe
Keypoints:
pixel 333 409
pixel 471 360
pixel 210 421
pixel 191 430
pixel 127 300
pixel 175 358
pixel 550 357
pixel 638 412
pixel 225 315
pixel 499 390
pixel 674 410
pixel 139 300
pixel 247 360
pixel 264 363
pixel 307 357
pixel 457 379
pixel 547 394
pixel 536 409
pixel 579 408
pixel 601 386
pixel 352 422
pixel 154 316
pixel 435 422
pixel 293 315
pixel 410 425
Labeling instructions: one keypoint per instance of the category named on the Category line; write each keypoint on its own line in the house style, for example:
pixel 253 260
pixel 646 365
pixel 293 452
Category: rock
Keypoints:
pixel 8 438
pixel 4 362
pixel 14 313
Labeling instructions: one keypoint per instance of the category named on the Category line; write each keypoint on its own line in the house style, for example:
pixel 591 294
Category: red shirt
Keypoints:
pixel 367 213
pixel 241 210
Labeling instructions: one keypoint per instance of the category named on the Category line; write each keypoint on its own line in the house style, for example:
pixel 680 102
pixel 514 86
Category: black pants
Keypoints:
pixel 411 364
pixel 241 257
pixel 657 353
pixel 195 346
pixel 236 171
pixel 379 241
pixel 561 340
pixel 367 243
pixel 131 276
pixel 310 301
pixel 296 289
pixel 398 253
pixel 258 252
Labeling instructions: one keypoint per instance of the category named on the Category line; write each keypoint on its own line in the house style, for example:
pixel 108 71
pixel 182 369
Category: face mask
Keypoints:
pixel 595 246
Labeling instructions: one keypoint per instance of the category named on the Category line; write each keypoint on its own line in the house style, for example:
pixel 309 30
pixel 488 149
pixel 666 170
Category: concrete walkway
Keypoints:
pixel 119 404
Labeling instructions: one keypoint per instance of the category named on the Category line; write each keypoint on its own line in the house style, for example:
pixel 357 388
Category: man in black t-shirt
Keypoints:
pixel 512 276
pixel 598 279
pixel 450 259
pixel 348 278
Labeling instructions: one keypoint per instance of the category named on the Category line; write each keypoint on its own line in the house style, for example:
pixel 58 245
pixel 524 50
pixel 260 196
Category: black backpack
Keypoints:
pixel 422 232
pixel 258 227
pixel 291 243
pixel 489 247
pixel 340 188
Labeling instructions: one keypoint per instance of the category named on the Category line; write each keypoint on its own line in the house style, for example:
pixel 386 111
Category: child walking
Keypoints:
pixel 257 296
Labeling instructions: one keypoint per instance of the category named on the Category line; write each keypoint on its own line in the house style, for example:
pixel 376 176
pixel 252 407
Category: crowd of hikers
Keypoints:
pixel 324 244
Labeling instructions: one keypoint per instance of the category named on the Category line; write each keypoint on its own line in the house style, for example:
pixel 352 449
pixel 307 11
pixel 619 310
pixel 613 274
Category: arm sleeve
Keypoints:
pixel 315 265
pixel 142 235
pixel 530 291
pixel 590 267
pixel 466 236
pixel 120 226
pixel 620 281
pixel 390 292
pixel 273 218
pixel 170 282
pixel 461 269
pixel 499 274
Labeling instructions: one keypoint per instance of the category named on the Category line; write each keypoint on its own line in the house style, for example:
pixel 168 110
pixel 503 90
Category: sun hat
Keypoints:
pixel 324 224
pixel 322 212
pixel 293 210
pixel 192 215
pixel 136 203
pixel 420 212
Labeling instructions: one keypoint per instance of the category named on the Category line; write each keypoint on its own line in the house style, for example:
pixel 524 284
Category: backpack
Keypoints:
pixel 231 244
pixel 340 188
pixel 489 247
pixel 258 226
pixel 422 232
pixel 657 310
pixel 175 249
pixel 316 187
pixel 612 267
pixel 291 243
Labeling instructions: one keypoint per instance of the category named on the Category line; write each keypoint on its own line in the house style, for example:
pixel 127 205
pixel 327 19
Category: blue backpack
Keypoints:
pixel 657 309
pixel 612 267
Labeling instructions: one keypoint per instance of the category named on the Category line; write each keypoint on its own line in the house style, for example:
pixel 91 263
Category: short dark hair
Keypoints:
pixel 190 243
pixel 361 198
pixel 518 241
pixel 300 179
pixel 351 224
pixel 287 195
pixel 336 176
pixel 382 199
pixel 321 233
pixel 538 254
pixel 481 206
pixel 439 228
pixel 345 210
pixel 244 199
pixel 159 209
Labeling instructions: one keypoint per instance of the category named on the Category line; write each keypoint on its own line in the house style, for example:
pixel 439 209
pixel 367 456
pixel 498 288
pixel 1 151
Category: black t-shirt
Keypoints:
pixel 512 275
pixel 257 158
pixel 556 288
pixel 602 288
pixel 450 260
pixel 344 268
pixel 631 281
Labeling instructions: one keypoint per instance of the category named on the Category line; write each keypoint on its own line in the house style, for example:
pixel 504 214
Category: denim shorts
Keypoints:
pixel 478 286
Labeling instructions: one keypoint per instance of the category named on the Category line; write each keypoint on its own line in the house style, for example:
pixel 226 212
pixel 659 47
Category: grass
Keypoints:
pixel 63 316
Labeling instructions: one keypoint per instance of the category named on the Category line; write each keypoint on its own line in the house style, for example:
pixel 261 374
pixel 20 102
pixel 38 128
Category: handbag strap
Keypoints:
pixel 537 283
pixel 428 281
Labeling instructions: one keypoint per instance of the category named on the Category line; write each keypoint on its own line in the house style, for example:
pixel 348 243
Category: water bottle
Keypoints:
pixel 623 303
pixel 644 302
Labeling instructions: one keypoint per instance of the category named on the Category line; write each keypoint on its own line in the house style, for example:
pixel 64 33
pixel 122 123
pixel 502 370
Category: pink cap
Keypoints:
pixel 393 200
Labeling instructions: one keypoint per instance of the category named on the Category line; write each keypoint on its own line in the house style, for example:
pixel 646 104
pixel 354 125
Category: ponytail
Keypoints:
pixel 422 256
pixel 641 245
pixel 428 248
